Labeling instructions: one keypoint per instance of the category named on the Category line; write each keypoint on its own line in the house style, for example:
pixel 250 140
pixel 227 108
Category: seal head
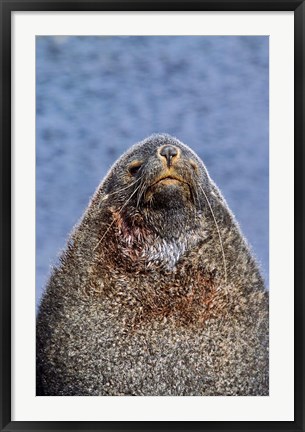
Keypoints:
pixel 157 193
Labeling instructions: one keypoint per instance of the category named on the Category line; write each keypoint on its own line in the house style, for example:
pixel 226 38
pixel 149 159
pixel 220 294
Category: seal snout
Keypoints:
pixel 168 152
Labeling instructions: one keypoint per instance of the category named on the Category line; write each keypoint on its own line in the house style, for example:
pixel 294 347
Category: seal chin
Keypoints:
pixel 168 192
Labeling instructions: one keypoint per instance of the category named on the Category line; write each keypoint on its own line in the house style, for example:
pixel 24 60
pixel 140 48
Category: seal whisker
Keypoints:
pixel 124 188
pixel 124 205
pixel 195 197
pixel 219 235
pixel 140 194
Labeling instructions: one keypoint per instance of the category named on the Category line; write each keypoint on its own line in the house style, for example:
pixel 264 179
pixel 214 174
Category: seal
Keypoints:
pixel 157 291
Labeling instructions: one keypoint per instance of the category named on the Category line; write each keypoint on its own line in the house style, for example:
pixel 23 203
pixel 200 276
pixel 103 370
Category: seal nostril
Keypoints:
pixel 169 151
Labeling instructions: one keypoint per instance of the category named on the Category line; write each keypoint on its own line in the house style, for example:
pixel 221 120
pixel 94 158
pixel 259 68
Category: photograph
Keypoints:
pixel 152 176
pixel 152 215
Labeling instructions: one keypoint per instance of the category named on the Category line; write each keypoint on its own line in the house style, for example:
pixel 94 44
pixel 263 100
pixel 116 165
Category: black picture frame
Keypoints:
pixel 6 8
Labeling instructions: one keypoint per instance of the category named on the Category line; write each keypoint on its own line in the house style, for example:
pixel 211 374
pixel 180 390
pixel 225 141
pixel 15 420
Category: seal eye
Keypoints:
pixel 134 167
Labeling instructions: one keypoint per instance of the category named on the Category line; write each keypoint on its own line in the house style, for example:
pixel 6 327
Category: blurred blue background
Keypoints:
pixel 96 96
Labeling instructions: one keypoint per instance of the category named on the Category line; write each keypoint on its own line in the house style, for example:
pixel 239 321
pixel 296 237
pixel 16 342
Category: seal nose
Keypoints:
pixel 169 152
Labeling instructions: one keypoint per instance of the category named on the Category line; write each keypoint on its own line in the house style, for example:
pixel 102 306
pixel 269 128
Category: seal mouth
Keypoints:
pixel 167 180
pixel 167 187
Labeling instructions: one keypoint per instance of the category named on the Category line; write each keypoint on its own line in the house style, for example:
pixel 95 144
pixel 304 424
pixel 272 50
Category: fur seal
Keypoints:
pixel 157 292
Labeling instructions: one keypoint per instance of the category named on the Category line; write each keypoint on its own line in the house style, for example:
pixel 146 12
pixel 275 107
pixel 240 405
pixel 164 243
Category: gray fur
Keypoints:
pixel 151 297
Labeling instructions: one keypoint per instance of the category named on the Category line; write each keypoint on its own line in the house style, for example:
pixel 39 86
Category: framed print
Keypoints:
pixel 152 215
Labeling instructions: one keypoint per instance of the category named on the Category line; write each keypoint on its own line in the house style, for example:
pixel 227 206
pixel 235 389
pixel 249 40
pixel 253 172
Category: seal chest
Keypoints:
pixel 157 292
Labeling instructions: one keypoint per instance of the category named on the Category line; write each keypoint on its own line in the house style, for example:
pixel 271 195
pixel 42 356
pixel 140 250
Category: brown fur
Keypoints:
pixel 155 295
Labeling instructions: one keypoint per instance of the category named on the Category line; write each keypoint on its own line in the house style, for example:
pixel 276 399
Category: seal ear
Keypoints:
pixel 216 192
pixel 222 205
